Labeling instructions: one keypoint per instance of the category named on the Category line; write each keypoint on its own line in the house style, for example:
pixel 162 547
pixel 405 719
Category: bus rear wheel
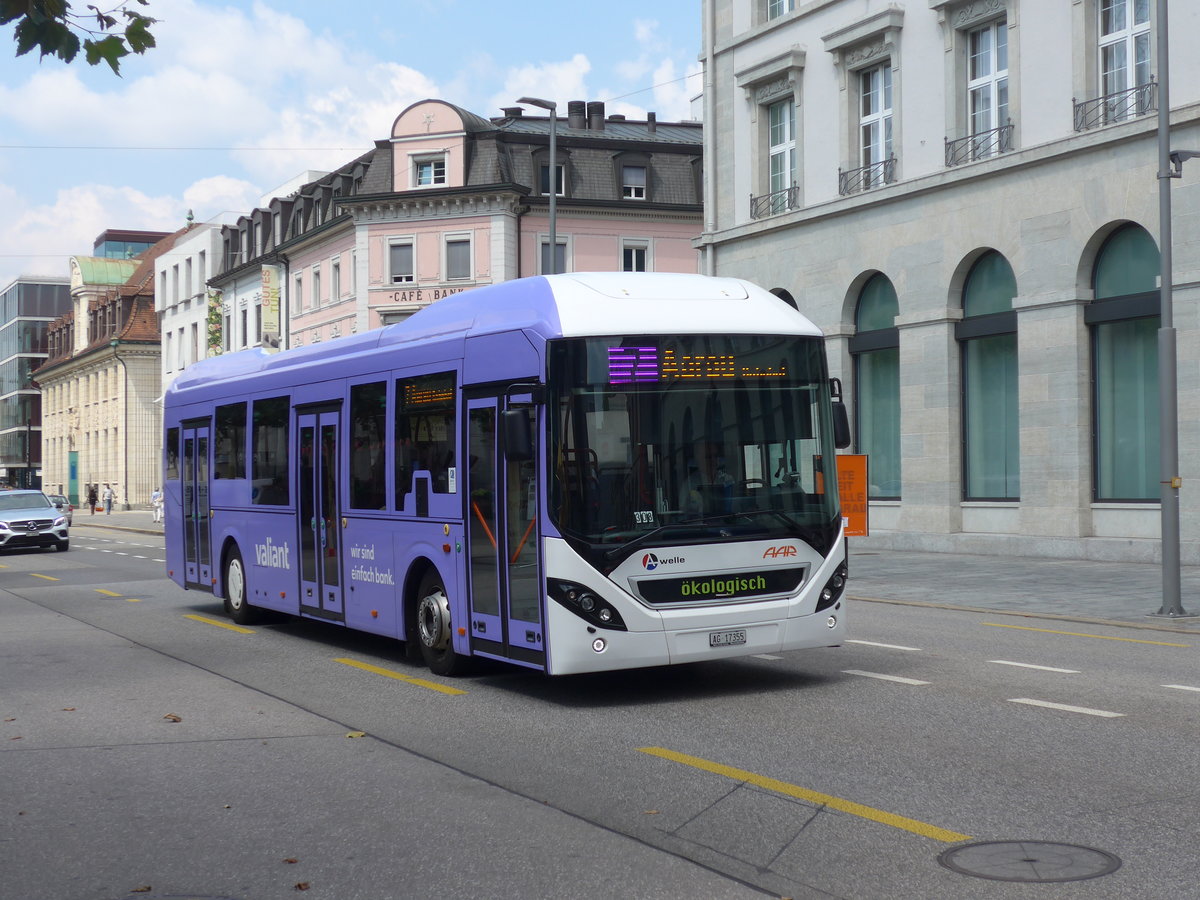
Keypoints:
pixel 236 605
pixel 434 635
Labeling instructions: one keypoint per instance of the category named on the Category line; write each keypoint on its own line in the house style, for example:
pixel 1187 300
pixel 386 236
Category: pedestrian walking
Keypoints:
pixel 91 499
pixel 109 497
pixel 156 500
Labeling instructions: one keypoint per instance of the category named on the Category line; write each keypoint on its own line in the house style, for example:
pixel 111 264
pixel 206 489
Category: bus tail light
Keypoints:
pixel 585 603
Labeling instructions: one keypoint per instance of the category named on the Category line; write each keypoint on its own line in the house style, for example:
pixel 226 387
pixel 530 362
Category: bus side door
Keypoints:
pixel 319 514
pixel 197 554
pixel 502 540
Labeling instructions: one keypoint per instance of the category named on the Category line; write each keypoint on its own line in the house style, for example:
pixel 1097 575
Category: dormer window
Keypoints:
pixel 429 171
pixel 633 182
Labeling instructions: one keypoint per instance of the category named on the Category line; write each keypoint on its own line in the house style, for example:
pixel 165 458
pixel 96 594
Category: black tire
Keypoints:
pixel 435 636
pixel 237 607
pixel 63 546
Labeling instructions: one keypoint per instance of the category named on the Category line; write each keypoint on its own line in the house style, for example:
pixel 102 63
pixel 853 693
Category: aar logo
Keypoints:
pixel 776 552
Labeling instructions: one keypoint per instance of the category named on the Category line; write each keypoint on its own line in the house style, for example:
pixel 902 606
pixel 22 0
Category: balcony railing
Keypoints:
pixel 851 181
pixel 1111 108
pixel 980 145
pixel 775 202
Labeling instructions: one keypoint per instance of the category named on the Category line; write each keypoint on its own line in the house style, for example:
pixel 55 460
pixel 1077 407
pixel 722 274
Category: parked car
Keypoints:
pixel 65 506
pixel 29 519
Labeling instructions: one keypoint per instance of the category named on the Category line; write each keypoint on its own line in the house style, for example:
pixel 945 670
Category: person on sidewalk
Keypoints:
pixel 156 500
pixel 91 499
pixel 109 497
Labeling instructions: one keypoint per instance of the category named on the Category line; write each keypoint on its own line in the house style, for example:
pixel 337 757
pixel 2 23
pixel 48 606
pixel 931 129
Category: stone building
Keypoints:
pixel 451 200
pixel 101 382
pixel 964 195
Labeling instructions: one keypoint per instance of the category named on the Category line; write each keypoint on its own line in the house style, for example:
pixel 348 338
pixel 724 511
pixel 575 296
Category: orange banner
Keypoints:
pixel 852 489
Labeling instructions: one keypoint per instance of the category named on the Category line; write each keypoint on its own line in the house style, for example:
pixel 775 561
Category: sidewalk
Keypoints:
pixel 1074 589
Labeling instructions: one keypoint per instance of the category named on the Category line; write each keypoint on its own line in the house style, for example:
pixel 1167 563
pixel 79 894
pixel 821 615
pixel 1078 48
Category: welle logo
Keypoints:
pixel 650 562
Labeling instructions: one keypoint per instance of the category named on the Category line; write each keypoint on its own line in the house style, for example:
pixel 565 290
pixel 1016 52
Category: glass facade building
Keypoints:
pixel 27 307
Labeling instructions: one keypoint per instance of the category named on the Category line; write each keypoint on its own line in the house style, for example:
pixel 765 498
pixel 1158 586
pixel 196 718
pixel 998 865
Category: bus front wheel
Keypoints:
pixel 434 633
pixel 236 606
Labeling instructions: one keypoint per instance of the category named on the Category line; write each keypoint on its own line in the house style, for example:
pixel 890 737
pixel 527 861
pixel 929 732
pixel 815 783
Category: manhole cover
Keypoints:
pixel 1031 861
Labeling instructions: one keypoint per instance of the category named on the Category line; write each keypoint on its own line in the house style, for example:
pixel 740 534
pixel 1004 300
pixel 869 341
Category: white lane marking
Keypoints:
pixel 895 678
pixel 887 646
pixel 766 656
pixel 1183 687
pixel 1007 662
pixel 1065 708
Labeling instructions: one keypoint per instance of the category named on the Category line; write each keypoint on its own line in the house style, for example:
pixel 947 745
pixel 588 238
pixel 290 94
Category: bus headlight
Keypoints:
pixel 585 603
pixel 832 592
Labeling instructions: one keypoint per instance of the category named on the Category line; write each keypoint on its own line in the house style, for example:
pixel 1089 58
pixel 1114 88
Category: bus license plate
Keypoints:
pixel 726 638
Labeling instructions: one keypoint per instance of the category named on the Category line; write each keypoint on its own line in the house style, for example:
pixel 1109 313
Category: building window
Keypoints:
pixel 316 286
pixel 634 255
pixel 429 171
pixel 875 122
pixel 299 292
pixel 781 127
pixel 875 349
pixel 560 256
pixel 245 327
pixel 633 182
pixel 458 258
pixel 987 77
pixel 1124 320
pixel 335 281
pixel 777 8
pixel 560 180
pixel 1124 45
pixel 400 262
pixel 988 337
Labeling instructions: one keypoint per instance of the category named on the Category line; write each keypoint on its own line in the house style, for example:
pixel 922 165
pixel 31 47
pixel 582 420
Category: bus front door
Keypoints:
pixel 197 556
pixel 502 541
pixel 319 515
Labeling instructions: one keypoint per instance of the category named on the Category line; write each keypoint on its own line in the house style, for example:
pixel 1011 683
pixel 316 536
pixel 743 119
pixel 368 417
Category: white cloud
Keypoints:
pixel 558 81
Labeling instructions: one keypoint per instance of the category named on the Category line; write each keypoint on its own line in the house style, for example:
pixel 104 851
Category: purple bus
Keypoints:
pixel 569 473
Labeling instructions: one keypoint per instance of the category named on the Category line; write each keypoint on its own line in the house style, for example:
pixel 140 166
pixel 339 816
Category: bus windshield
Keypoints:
pixel 690 439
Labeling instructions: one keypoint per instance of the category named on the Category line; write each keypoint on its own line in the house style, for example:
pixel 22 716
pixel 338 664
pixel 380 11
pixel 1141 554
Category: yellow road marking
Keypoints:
pixel 400 676
pixel 791 790
pixel 132 600
pixel 47 577
pixel 107 593
pixel 207 621
pixel 1099 637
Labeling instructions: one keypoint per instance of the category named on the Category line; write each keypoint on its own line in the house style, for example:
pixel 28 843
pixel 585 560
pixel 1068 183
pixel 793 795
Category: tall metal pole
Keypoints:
pixel 554 192
pixel 553 179
pixel 1168 401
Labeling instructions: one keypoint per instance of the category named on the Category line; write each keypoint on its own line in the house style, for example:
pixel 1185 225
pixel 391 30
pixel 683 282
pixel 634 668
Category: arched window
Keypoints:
pixel 875 349
pixel 988 337
pixel 1124 320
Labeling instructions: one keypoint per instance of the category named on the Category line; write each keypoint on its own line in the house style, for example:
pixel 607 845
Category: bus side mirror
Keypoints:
pixel 841 418
pixel 518 434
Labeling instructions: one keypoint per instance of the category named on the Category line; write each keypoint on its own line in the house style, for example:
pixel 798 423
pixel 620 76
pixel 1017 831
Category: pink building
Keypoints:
pixel 451 201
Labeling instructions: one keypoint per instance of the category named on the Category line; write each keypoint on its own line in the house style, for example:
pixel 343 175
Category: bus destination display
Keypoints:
pixel 652 365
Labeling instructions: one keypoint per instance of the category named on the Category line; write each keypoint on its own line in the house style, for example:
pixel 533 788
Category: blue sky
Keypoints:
pixel 238 98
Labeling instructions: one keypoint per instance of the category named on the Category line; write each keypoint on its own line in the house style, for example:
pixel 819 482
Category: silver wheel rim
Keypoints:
pixel 433 621
pixel 235 584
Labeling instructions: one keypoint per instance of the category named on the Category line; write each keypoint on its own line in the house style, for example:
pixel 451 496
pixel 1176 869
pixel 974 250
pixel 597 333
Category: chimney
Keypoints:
pixel 616 117
pixel 513 112
pixel 595 114
pixel 651 122
pixel 576 114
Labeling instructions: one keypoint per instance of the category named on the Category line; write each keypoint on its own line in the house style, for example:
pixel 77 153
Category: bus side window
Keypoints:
pixel 368 445
pixel 229 459
pixel 424 432
pixel 269 451
pixel 172 451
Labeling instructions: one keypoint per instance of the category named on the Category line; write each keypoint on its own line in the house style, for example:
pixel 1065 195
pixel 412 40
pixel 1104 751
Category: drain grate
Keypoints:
pixel 1036 862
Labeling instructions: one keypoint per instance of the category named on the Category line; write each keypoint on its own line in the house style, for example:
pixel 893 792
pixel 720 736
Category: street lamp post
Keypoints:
pixel 1170 165
pixel 552 107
